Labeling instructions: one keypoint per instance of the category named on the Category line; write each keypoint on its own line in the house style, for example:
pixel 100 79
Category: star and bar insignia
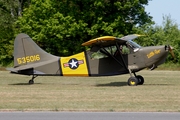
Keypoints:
pixel 73 63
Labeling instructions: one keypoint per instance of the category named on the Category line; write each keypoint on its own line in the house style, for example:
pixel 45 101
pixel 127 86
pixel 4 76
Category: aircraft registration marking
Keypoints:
pixel 155 52
pixel 27 59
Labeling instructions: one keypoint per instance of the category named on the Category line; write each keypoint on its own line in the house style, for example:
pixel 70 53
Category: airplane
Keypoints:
pixel 107 56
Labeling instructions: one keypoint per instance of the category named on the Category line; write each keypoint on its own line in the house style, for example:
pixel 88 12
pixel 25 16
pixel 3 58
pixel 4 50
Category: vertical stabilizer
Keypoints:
pixel 26 51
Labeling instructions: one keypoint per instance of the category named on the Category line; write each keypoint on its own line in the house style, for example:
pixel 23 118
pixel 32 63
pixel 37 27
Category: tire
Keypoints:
pixel 31 82
pixel 140 80
pixel 132 81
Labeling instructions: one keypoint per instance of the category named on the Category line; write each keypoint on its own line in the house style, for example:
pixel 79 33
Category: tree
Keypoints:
pixel 166 34
pixel 9 12
pixel 6 28
pixel 60 27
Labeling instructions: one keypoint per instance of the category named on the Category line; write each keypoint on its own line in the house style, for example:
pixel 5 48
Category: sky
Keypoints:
pixel 160 8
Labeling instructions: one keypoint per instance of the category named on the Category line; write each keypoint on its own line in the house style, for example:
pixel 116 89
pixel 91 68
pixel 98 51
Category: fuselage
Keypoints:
pixel 115 57
pixel 83 64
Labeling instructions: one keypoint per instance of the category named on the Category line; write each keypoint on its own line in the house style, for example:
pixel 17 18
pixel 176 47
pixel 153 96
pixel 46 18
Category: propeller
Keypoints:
pixel 170 48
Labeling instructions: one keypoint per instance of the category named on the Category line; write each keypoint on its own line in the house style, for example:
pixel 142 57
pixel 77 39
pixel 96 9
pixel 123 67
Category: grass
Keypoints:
pixel 169 66
pixel 160 93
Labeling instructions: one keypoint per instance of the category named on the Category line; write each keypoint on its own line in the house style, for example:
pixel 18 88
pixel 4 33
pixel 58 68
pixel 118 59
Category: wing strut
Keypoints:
pixel 107 53
pixel 130 72
pixel 124 64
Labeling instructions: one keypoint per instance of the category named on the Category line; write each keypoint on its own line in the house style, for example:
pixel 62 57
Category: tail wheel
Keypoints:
pixel 132 81
pixel 31 81
pixel 140 79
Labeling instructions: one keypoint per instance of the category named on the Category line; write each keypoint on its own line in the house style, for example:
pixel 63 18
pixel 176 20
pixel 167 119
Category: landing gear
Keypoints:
pixel 140 79
pixel 32 80
pixel 136 80
pixel 132 81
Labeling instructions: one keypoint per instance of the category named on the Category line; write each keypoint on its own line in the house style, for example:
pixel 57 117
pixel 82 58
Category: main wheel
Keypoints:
pixel 132 81
pixel 31 82
pixel 140 79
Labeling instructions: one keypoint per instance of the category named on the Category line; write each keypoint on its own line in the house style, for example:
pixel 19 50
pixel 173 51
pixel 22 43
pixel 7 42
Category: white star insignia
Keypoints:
pixel 73 63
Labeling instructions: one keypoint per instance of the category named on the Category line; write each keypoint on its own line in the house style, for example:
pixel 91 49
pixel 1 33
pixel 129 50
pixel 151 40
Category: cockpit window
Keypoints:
pixel 133 45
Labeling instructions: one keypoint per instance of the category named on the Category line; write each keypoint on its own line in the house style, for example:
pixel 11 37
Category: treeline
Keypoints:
pixel 60 26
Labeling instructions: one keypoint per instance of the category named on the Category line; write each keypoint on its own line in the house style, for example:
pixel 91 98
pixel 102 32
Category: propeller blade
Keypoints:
pixel 171 51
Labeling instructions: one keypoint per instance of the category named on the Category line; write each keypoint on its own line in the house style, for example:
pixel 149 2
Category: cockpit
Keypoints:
pixel 125 49
pixel 109 46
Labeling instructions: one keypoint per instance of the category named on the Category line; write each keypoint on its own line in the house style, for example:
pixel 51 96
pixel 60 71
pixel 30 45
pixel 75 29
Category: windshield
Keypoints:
pixel 134 45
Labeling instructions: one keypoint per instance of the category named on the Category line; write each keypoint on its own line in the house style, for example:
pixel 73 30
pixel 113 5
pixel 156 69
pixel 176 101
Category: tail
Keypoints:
pixel 26 51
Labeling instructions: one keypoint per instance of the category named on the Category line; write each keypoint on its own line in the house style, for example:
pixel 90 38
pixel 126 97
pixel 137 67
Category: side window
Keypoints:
pixel 101 53
pixel 98 55
pixel 125 49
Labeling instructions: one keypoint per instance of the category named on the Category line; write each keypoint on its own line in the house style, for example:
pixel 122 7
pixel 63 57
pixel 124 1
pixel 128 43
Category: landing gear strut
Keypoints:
pixel 32 80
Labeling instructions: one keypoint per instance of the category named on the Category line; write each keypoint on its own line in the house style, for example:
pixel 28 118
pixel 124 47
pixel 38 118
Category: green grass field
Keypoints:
pixel 160 93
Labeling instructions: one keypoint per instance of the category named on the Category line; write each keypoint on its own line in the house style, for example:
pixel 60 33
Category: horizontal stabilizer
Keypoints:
pixel 28 71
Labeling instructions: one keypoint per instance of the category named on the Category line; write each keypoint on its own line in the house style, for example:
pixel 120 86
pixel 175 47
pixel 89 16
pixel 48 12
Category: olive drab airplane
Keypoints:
pixel 107 56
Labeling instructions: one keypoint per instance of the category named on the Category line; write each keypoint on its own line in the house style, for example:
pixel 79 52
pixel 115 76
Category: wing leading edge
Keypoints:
pixel 109 40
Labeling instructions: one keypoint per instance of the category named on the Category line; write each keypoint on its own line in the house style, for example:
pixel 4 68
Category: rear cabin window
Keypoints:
pixel 103 52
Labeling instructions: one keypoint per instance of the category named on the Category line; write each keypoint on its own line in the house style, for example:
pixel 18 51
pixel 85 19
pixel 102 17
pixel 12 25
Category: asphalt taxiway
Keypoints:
pixel 89 115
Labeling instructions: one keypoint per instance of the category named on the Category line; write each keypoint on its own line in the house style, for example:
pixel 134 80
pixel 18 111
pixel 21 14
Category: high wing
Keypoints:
pixel 109 40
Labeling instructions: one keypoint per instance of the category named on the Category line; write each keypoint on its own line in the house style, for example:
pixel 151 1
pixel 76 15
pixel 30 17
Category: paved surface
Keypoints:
pixel 88 116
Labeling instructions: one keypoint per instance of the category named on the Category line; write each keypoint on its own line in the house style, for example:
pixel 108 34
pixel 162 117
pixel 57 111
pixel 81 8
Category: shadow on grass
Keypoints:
pixel 25 84
pixel 113 84
pixel 158 84
pixel 119 84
